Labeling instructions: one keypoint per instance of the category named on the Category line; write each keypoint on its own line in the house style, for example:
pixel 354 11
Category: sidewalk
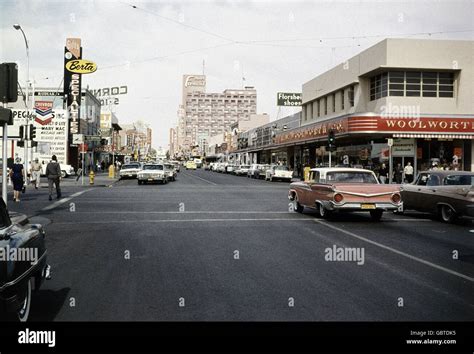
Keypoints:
pixel 101 179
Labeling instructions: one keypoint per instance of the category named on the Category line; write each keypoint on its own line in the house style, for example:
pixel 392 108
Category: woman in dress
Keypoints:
pixel 16 175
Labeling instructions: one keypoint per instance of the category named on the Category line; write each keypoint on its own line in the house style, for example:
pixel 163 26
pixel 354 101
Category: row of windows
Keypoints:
pixel 412 84
pixel 220 97
pixel 320 107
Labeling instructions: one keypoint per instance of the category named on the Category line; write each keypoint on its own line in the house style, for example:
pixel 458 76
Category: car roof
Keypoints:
pixel 449 172
pixel 325 170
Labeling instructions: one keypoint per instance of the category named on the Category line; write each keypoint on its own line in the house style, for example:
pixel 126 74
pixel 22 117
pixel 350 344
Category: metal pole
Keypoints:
pixel 330 153
pixel 390 168
pixel 4 161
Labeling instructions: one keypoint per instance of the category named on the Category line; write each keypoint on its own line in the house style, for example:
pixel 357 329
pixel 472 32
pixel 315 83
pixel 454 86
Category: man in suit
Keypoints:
pixel 53 173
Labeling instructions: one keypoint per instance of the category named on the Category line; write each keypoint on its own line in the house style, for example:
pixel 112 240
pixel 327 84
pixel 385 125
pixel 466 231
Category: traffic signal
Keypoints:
pixel 22 132
pixel 331 140
pixel 34 144
pixel 6 116
pixel 32 132
pixel 8 82
pixel 20 143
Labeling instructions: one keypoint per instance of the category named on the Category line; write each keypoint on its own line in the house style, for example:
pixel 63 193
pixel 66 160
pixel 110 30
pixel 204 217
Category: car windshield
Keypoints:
pixel 351 177
pixel 459 180
pixel 281 168
pixel 169 167
pixel 153 167
pixel 125 167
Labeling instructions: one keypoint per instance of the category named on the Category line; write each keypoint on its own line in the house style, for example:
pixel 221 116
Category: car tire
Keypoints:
pixel 447 214
pixel 23 313
pixel 139 182
pixel 63 174
pixel 297 207
pixel 376 215
pixel 323 212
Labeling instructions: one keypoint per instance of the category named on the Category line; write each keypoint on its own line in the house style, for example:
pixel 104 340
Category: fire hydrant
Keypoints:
pixel 91 177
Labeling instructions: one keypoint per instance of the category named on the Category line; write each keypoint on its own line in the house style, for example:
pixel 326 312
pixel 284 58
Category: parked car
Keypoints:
pixel 191 165
pixel 332 190
pixel 152 173
pixel 278 172
pixel 198 163
pixel 130 170
pixel 19 277
pixel 262 171
pixel 448 194
pixel 253 171
pixel 221 166
pixel 66 170
pixel 170 171
pixel 230 168
pixel 242 170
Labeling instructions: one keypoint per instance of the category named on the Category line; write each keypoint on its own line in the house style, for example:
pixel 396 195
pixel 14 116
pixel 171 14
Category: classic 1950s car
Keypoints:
pixel 152 173
pixel 130 170
pixel 22 264
pixel 449 194
pixel 344 189
pixel 276 172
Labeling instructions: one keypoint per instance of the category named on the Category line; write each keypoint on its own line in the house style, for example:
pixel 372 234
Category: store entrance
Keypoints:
pixel 399 164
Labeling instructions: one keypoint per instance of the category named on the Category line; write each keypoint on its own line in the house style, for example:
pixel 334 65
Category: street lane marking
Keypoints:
pixel 110 222
pixel 202 179
pixel 433 265
pixel 184 212
pixel 62 201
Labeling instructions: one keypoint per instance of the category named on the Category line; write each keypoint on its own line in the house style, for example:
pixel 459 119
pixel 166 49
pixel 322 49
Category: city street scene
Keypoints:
pixel 237 161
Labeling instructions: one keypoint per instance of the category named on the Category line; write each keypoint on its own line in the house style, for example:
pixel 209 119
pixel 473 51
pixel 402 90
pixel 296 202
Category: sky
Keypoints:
pixel 149 45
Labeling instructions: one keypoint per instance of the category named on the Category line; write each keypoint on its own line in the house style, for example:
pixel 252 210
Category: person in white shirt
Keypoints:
pixel 408 170
pixel 36 173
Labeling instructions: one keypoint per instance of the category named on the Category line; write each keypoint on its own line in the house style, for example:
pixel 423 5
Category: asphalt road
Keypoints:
pixel 219 247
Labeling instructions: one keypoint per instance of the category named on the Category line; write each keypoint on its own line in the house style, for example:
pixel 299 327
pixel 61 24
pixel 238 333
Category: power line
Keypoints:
pixel 178 22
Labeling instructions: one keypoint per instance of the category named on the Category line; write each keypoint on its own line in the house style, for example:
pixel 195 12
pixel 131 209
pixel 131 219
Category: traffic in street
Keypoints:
pixel 215 246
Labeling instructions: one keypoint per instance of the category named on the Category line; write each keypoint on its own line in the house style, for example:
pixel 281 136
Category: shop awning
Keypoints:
pixel 433 136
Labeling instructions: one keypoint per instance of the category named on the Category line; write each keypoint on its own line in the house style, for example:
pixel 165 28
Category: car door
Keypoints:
pixel 412 192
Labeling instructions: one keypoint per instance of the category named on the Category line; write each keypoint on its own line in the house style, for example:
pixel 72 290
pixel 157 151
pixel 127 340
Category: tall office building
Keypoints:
pixel 203 114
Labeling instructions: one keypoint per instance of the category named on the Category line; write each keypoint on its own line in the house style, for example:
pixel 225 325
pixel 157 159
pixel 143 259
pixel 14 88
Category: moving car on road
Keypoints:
pixel 332 190
pixel 20 275
pixel 152 173
pixel 130 170
pixel 448 194
pixel 170 171
pixel 177 165
pixel 191 165
pixel 278 172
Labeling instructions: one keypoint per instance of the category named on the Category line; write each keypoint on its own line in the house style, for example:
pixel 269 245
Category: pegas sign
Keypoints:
pixel 81 66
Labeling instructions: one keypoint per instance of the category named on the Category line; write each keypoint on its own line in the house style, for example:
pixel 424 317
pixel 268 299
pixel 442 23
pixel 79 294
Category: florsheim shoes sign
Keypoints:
pixel 288 99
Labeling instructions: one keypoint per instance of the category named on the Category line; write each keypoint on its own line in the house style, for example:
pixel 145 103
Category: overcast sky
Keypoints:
pixel 275 45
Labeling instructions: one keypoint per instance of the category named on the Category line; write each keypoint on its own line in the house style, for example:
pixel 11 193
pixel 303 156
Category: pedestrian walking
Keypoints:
pixel 398 174
pixel 16 175
pixel 53 172
pixel 36 173
pixel 79 171
pixel 408 172
pixel 383 174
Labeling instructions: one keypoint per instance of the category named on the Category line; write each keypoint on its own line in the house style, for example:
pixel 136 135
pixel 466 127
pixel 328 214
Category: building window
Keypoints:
pixel 413 83
pixel 342 99
pixel 446 84
pixel 396 85
pixel 378 86
pixel 315 109
pixel 334 102
pixel 309 112
pixel 325 105
pixel 350 94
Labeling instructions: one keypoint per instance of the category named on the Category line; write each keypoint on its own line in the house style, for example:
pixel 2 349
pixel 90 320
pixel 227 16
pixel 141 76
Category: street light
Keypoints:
pixel 18 27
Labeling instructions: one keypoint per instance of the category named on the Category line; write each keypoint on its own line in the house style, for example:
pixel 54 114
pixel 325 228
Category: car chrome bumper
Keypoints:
pixel 359 206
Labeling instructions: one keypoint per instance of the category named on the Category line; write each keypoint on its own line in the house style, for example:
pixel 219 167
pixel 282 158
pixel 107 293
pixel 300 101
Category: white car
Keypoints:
pixel 170 171
pixel 278 172
pixel 130 170
pixel 242 170
pixel 66 170
pixel 152 173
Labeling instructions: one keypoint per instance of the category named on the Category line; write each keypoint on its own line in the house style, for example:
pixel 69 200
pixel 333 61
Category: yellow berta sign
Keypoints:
pixel 81 66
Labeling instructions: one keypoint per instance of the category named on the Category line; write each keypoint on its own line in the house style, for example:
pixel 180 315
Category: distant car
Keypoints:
pixel 242 170
pixel 191 165
pixel 130 170
pixel 177 165
pixel 170 171
pixel 198 163
pixel 66 170
pixel 448 194
pixel 331 190
pixel 19 277
pixel 253 171
pixel 278 172
pixel 152 173
pixel 221 167
pixel 230 168
pixel 262 171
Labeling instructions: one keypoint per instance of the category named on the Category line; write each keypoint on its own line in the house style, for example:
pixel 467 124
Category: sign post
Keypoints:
pixel 390 167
